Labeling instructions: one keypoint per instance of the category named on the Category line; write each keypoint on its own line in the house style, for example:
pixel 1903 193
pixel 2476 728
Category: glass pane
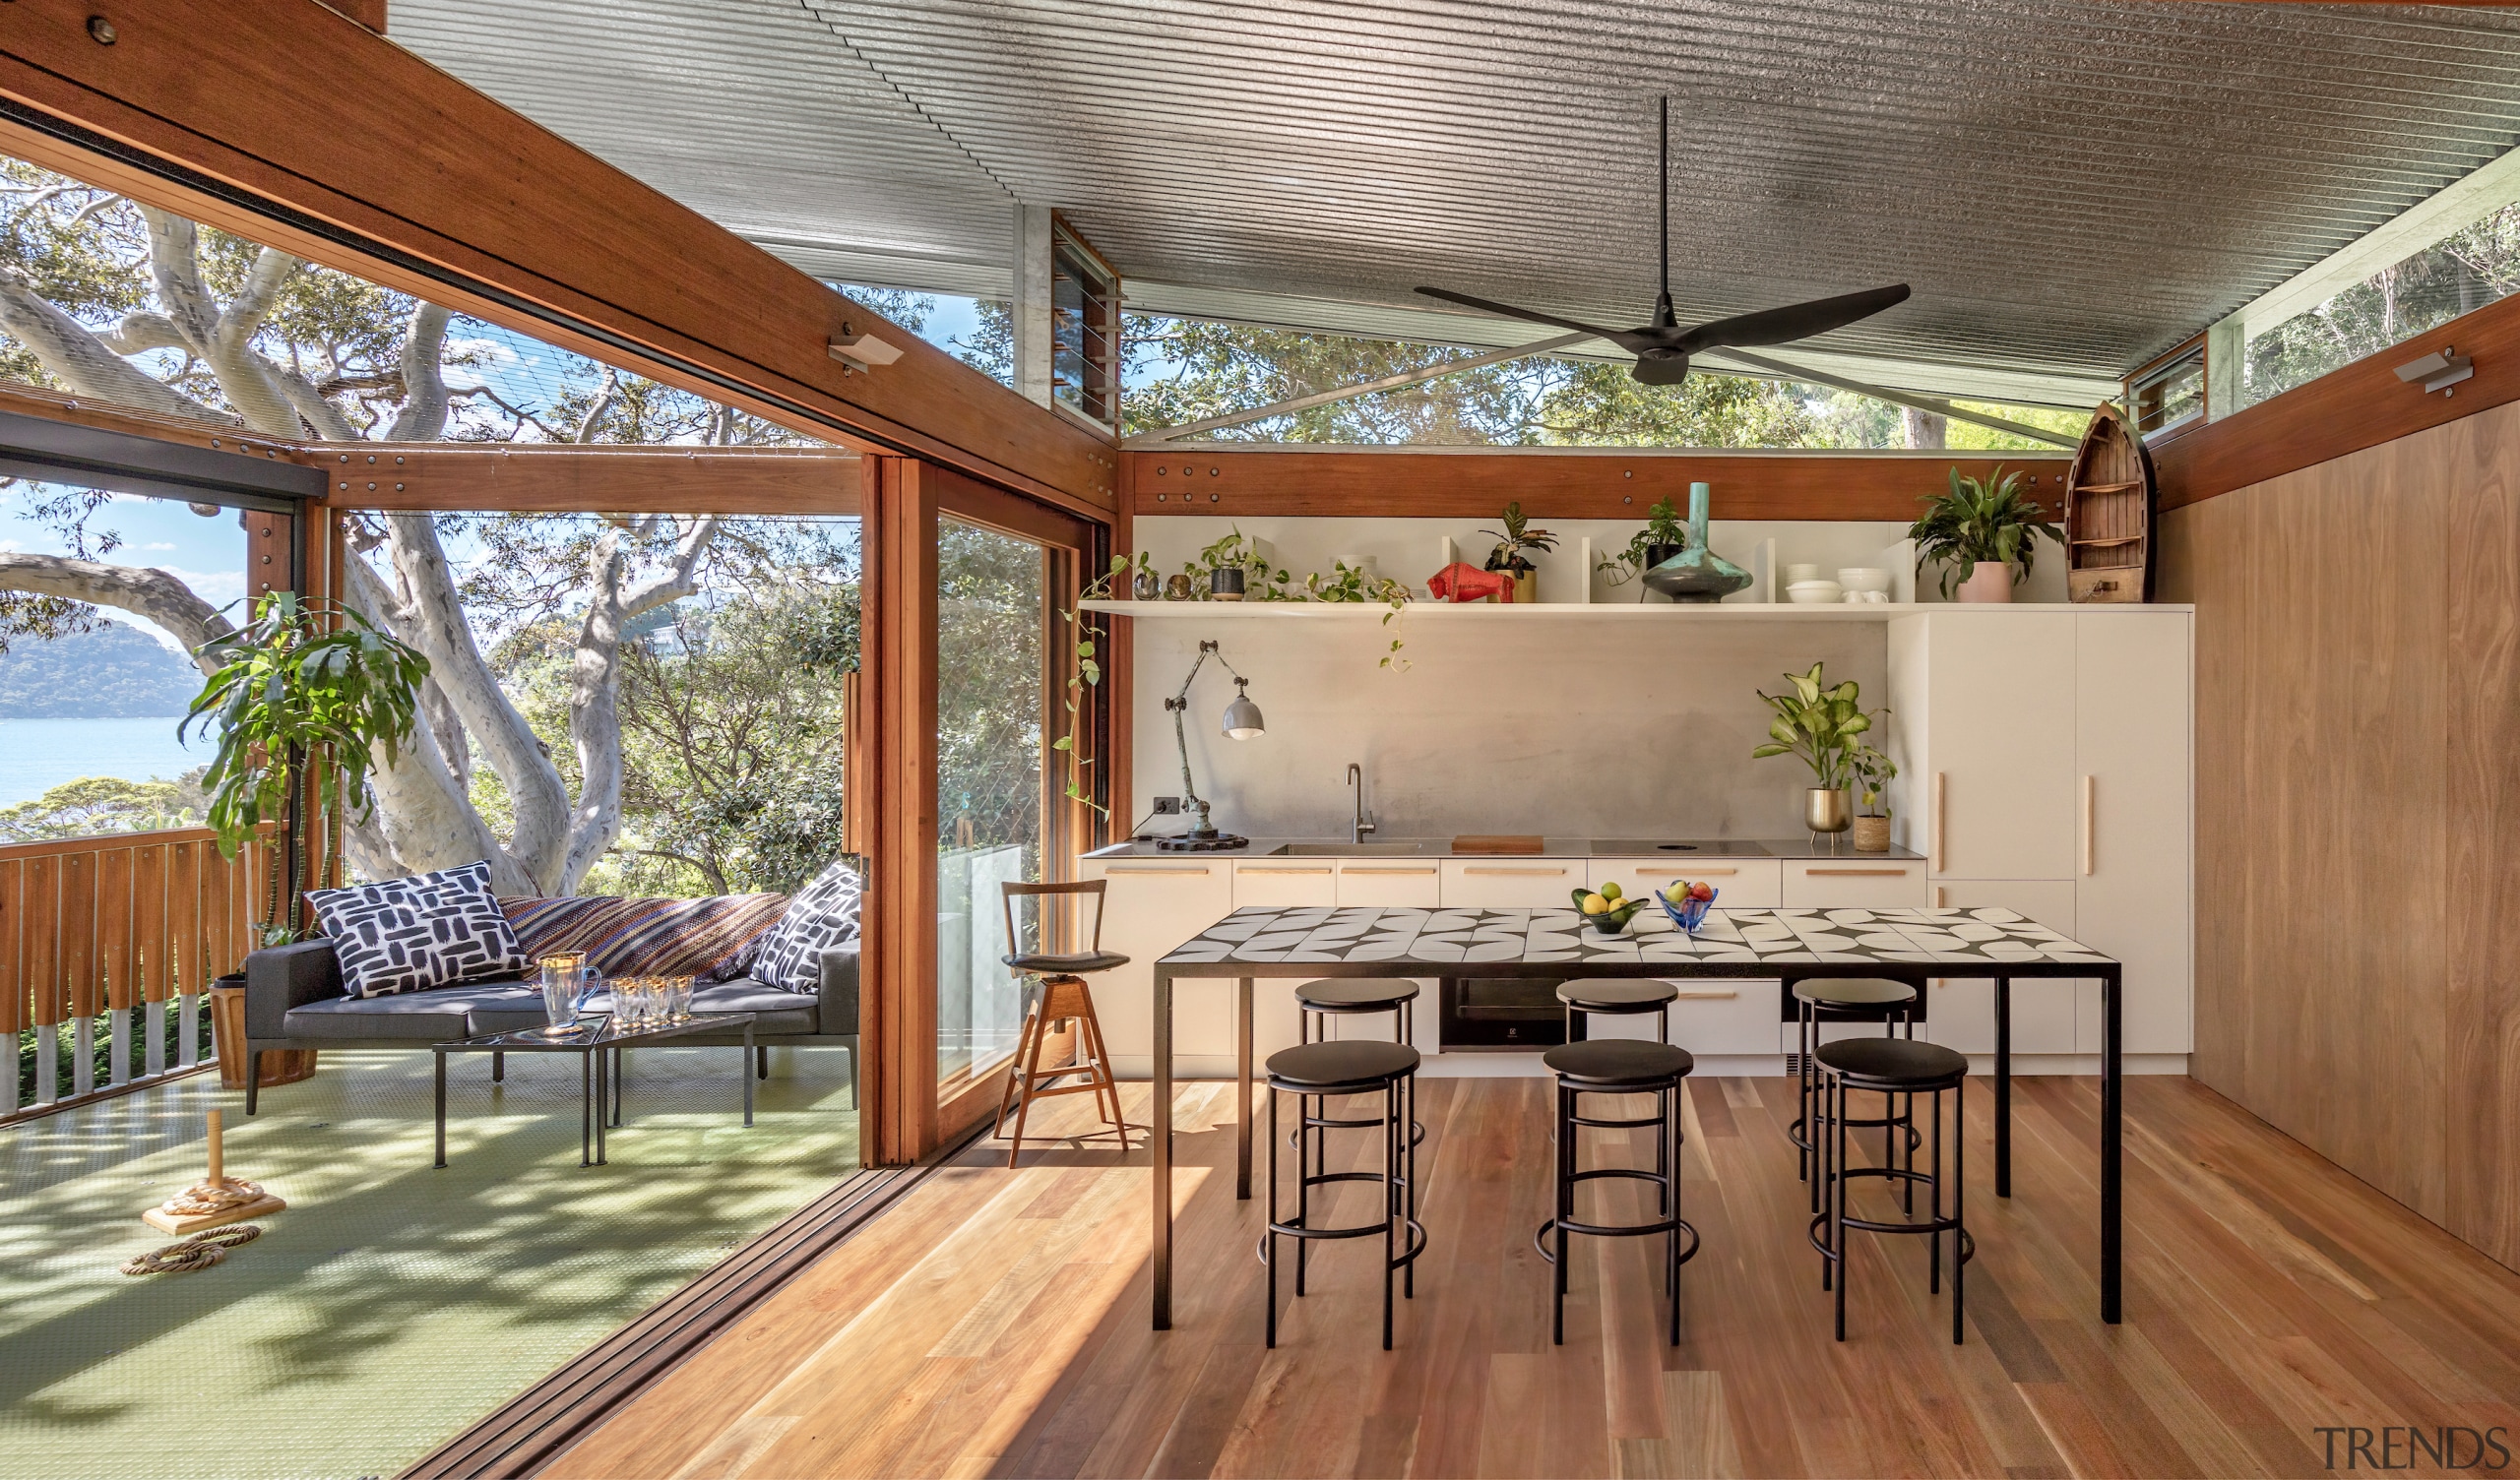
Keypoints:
pixel 992 608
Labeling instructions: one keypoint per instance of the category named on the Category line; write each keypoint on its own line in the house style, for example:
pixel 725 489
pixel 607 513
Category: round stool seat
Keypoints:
pixel 1356 993
pixel 1329 1067
pixel 1896 1062
pixel 1854 992
pixel 1618 1062
pixel 1611 995
pixel 1046 965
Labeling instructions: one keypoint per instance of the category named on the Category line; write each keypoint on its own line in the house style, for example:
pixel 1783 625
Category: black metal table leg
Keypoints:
pixel 1160 1146
pixel 612 1077
pixel 1243 1088
pixel 585 1109
pixel 2003 1087
pixel 605 1078
pixel 441 1108
pixel 2112 1112
pixel 748 1079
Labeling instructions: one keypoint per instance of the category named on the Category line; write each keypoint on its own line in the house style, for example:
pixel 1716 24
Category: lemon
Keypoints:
pixel 1596 905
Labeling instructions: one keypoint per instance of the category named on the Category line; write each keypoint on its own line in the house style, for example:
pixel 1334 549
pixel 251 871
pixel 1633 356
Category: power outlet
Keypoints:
pixel 1168 806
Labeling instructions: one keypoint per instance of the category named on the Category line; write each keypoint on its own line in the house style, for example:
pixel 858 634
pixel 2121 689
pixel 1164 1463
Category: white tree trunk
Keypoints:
pixel 153 595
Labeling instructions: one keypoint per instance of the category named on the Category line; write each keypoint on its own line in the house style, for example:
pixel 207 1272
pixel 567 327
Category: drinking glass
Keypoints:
pixel 651 1002
pixel 630 1002
pixel 562 978
pixel 677 999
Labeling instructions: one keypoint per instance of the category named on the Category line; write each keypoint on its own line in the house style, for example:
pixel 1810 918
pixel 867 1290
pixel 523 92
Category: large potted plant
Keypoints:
pixel 1510 557
pixel 1819 723
pixel 1662 537
pixel 1984 534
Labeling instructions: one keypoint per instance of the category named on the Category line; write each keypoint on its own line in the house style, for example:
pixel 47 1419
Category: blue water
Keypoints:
pixel 37 754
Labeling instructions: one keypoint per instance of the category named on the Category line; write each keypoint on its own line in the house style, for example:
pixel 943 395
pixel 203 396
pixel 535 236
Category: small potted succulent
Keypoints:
pixel 1509 557
pixel 1662 537
pixel 1984 534
pixel 1873 774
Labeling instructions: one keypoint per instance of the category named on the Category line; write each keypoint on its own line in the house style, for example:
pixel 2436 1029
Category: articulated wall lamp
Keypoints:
pixel 1242 721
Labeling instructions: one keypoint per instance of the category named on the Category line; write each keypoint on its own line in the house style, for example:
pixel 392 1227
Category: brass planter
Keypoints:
pixel 1872 835
pixel 1826 811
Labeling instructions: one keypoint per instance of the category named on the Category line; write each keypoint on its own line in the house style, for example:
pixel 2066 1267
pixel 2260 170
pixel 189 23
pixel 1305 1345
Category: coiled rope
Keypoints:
pixel 199 1252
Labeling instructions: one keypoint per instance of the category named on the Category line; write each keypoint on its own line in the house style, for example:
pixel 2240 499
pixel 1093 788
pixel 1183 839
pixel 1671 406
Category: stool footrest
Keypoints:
pixel 1689 1249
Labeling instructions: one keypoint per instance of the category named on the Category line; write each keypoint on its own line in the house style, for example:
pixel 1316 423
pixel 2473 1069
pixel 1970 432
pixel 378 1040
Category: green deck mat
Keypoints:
pixel 392 1304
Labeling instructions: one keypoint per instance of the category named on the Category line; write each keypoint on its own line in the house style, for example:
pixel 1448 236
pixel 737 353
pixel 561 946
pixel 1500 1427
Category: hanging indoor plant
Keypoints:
pixel 1511 542
pixel 1984 534
pixel 302 680
pixel 1662 537
pixel 1873 773
pixel 1820 725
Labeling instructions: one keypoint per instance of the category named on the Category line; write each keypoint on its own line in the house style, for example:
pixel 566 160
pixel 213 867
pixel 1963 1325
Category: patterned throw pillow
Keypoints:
pixel 712 939
pixel 409 935
pixel 823 914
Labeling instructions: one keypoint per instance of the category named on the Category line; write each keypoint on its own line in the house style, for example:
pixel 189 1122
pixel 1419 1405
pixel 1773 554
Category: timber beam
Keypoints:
pixel 1402 482
pixel 413 180
pixel 535 479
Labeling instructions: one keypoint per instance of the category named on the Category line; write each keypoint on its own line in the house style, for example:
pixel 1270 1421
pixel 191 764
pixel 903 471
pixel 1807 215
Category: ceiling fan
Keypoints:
pixel 1663 348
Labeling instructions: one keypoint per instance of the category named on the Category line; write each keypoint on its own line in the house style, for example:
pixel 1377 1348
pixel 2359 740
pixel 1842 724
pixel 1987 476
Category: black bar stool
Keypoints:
pixel 1616 997
pixel 1892 1068
pixel 1619 1066
pixel 1355 1065
pixel 1359 996
pixel 1819 1000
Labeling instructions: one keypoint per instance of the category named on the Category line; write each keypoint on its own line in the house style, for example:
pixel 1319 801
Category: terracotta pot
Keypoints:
pixel 1872 835
pixel 1992 581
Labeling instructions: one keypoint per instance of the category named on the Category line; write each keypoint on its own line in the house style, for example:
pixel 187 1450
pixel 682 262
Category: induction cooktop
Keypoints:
pixel 1682 847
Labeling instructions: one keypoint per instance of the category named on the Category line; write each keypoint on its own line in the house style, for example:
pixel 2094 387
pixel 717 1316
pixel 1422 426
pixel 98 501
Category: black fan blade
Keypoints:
pixel 1662 369
pixel 1621 337
pixel 1777 326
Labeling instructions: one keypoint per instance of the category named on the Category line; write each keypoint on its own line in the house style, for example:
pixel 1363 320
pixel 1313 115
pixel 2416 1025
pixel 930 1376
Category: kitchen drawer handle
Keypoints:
pixel 1255 868
pixel 1854 873
pixel 2087 829
pixel 1519 872
pixel 1122 868
pixel 1676 872
pixel 1939 826
pixel 1385 868
pixel 1707 994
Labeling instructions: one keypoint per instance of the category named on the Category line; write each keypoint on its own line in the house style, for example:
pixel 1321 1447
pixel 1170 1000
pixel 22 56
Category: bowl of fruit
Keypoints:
pixel 1609 911
pixel 1686 903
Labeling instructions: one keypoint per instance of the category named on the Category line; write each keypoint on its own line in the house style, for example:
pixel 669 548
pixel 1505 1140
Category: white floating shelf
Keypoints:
pixel 1475 611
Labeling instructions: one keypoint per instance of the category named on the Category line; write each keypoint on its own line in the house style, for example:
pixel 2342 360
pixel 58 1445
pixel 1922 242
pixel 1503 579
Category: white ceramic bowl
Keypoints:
pixel 1796 575
pixel 1814 593
pixel 1865 578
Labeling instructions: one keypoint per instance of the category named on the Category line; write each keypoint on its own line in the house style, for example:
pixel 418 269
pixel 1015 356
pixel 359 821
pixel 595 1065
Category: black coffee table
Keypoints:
pixel 598 1043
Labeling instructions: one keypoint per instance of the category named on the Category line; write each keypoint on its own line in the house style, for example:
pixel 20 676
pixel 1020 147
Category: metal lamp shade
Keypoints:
pixel 1242 718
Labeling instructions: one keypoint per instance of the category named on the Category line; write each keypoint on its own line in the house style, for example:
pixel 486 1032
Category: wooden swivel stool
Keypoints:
pixel 1063 996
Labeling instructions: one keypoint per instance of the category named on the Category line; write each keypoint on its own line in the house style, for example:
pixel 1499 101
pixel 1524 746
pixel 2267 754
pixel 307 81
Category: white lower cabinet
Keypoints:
pixel 1711 1016
pixel 1149 907
pixel 2045 1011
pixel 1284 884
pixel 1739 883
pixel 1512 883
pixel 1391 883
pixel 1854 883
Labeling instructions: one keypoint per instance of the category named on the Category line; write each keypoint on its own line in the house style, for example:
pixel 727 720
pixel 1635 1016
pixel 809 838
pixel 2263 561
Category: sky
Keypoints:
pixel 206 554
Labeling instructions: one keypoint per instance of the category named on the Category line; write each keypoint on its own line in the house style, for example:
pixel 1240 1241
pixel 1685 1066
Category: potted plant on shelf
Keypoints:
pixel 1662 537
pixel 1819 723
pixel 1873 774
pixel 1233 570
pixel 1508 557
pixel 1984 534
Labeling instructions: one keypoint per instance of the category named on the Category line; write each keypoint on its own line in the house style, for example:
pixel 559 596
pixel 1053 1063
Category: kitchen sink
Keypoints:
pixel 1348 851
pixel 1681 847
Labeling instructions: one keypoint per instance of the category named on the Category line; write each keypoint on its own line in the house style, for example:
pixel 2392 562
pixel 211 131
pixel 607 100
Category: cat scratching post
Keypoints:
pixel 214 1201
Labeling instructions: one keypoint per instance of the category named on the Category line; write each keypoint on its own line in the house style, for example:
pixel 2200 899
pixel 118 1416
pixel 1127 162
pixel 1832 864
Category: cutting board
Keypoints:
pixel 1497 842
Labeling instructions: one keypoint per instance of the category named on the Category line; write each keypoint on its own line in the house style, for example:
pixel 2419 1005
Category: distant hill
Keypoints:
pixel 115 672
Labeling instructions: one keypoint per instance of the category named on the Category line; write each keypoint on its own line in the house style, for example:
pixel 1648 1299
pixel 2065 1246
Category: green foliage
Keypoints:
pixel 992 590
pixel 105 670
pixel 302 677
pixel 2462 272
pixel 92 804
pixel 1517 536
pixel 1989 520
pixel 1873 773
pixel 1663 527
pixel 1820 725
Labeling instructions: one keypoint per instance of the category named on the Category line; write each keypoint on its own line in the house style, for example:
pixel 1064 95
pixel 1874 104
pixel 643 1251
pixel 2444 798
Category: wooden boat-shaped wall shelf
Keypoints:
pixel 2112 514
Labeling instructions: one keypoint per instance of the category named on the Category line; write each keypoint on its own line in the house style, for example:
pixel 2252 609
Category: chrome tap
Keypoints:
pixel 1365 821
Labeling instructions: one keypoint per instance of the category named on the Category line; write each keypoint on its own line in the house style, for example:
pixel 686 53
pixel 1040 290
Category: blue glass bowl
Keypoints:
pixel 1688 914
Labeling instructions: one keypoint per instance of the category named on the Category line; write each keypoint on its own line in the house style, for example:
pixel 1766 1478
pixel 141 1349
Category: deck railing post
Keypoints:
pixel 48 1063
pixel 188 1029
pixel 83 1059
pixel 153 1032
pixel 119 1047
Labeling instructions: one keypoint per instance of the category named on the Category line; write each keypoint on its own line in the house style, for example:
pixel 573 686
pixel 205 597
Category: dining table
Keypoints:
pixel 1907 944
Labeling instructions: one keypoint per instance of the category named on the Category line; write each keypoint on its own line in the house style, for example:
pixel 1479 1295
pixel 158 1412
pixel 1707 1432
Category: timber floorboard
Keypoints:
pixel 994 1323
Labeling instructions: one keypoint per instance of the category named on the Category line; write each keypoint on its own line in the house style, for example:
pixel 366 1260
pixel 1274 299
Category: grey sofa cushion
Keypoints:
pixel 437 1016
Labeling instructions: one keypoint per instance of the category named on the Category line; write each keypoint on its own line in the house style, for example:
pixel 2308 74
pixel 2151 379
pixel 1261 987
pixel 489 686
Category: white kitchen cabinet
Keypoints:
pixel 1392 884
pixel 1852 884
pixel 1512 883
pixel 2046 1012
pixel 1149 907
pixel 2133 880
pixel 1984 706
pixel 1739 883
pixel 1287 883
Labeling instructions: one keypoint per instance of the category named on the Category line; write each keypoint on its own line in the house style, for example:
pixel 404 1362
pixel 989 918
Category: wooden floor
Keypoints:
pixel 995 1322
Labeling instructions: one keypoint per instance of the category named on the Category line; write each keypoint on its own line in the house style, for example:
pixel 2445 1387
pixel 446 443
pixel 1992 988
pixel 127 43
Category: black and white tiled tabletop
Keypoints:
pixel 1981 942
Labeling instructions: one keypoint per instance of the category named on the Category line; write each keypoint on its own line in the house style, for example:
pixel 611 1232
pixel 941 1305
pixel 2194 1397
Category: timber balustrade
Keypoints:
pixel 91 926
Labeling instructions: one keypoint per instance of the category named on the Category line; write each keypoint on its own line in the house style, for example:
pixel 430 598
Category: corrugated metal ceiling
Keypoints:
pixel 2070 187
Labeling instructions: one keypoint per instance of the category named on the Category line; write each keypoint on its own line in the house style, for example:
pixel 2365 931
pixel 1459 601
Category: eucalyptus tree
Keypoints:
pixel 121 301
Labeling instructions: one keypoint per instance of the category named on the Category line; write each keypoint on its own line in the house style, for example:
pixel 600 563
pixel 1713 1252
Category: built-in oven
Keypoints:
pixel 1505 1012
